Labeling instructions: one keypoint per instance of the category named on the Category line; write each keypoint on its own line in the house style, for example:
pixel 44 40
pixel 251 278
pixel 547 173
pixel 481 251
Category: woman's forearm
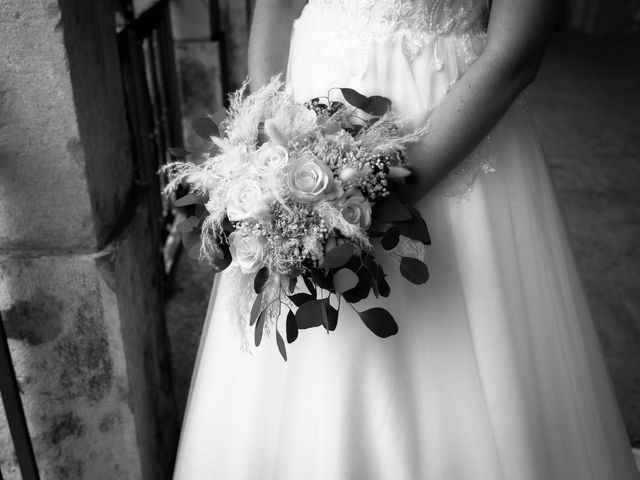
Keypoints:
pixel 270 36
pixel 486 90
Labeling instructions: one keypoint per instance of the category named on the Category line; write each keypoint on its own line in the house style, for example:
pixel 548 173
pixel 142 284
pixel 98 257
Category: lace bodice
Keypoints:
pixel 354 24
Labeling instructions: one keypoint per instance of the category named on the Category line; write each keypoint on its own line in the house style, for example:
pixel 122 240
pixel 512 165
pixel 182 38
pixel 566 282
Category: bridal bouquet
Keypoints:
pixel 291 192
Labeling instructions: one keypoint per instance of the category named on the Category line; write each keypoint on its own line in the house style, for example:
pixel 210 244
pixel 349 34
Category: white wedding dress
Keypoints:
pixel 496 372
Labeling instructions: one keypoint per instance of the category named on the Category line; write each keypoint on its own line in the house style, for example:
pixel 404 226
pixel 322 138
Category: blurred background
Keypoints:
pixel 103 307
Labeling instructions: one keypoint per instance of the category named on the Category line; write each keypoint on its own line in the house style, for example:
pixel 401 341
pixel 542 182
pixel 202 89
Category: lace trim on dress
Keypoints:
pixel 354 24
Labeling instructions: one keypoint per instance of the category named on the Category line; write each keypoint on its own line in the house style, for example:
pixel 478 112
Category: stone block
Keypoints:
pixel 63 326
pixel 89 345
pixel 66 170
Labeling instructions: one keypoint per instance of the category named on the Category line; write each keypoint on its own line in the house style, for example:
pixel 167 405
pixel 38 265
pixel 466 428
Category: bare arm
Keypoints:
pixel 516 39
pixel 269 40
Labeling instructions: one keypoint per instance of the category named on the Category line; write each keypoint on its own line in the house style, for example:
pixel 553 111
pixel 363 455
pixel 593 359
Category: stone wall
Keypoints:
pixel 80 264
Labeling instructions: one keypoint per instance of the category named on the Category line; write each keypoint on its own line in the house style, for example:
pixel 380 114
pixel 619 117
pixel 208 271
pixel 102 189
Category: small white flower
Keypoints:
pixel 246 199
pixel 247 251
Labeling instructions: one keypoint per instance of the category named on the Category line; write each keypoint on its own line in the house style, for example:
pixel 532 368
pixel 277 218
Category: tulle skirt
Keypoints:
pixel 496 372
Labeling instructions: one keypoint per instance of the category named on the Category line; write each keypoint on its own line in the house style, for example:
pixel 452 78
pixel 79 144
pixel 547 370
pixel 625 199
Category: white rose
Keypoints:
pixel 356 209
pixel 270 159
pixel 311 180
pixel 247 251
pixel 247 199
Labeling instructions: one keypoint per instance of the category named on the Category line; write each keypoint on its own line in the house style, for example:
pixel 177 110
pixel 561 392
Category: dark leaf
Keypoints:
pixel 379 321
pixel 377 105
pixel 344 280
pixel 332 315
pixel 414 270
pixel 415 227
pixel 383 286
pixel 205 128
pixel 178 152
pixel 338 256
pixel 389 209
pixel 194 251
pixel 224 260
pixel 292 284
pixel 256 310
pixel 189 239
pixel 300 299
pixel 320 280
pixel 188 199
pixel 281 347
pixel 292 327
pixel 219 117
pixel 391 238
pixel 360 291
pixel 309 315
pixel 260 279
pixel 184 226
pixel 354 98
pixel 310 286
pixel 260 327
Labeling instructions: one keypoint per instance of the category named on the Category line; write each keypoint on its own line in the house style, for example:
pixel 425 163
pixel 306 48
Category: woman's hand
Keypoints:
pixel 516 39
pixel 270 36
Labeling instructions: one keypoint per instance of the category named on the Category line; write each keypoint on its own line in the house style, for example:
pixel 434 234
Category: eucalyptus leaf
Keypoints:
pixel 309 315
pixel 256 309
pixel 389 209
pixel 414 270
pixel 390 238
pixel 414 228
pixel 205 128
pixel 260 279
pixel 377 105
pixel 344 280
pixel 184 226
pixel 178 152
pixel 188 199
pixel 338 256
pixel 292 327
pixel 310 286
pixel 379 321
pixel 292 284
pixel 331 315
pixel 300 299
pixel 194 251
pixel 354 98
pixel 281 346
pixel 260 327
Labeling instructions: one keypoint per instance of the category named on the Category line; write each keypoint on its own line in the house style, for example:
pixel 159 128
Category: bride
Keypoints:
pixel 496 371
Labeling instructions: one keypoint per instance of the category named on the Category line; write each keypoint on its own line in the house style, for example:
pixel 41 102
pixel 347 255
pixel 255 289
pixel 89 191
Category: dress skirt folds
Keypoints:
pixel 496 372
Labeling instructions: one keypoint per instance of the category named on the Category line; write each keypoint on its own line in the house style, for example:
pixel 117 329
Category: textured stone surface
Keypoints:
pixel 66 170
pixel 64 334
pixel 89 344
pixel 587 108
pixel 45 199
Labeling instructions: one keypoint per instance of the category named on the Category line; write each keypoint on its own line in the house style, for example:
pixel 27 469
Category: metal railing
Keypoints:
pixel 15 412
